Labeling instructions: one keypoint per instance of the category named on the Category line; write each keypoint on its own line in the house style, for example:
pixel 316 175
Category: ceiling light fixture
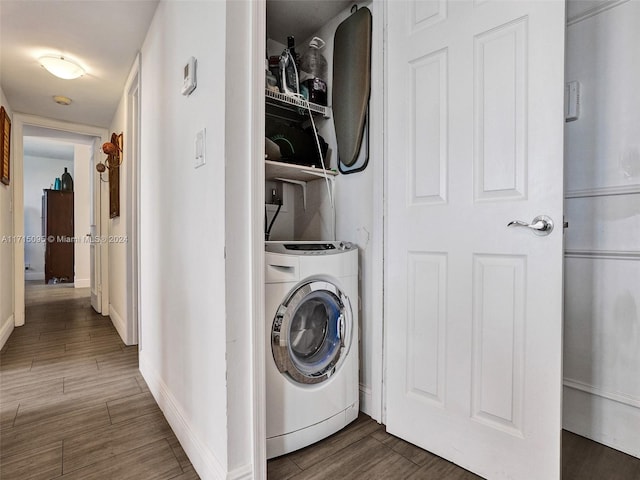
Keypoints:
pixel 62 100
pixel 61 67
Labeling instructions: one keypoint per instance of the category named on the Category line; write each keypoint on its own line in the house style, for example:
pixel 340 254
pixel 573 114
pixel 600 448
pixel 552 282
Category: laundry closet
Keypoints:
pixel 312 212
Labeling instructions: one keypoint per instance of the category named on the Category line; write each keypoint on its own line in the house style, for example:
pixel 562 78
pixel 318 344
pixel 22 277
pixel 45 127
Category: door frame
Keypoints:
pixel 132 156
pixel 19 122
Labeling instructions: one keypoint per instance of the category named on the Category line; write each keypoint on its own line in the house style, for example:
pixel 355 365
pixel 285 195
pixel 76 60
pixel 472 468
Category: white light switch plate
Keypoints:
pixel 200 148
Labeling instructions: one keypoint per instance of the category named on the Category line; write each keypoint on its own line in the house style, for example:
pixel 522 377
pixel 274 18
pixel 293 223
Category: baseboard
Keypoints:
pixel 202 458
pixel 603 420
pixel 241 473
pixel 6 329
pixel 366 400
pixel 30 276
pixel 118 323
pixel 82 282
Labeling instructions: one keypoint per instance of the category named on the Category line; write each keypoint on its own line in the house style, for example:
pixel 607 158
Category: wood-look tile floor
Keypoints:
pixel 365 451
pixel 73 404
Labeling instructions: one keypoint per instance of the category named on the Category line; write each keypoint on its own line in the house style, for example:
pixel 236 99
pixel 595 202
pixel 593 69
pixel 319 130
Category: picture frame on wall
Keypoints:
pixel 114 177
pixel 5 146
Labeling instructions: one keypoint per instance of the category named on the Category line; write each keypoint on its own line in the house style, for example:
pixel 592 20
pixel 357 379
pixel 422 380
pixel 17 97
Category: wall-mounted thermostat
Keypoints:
pixel 571 101
pixel 189 83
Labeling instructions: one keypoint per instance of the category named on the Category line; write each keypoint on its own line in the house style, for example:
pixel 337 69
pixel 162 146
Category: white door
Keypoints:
pixel 94 257
pixel 473 307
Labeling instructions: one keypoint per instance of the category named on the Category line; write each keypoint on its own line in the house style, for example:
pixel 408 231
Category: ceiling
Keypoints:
pixel 103 36
pixel 300 18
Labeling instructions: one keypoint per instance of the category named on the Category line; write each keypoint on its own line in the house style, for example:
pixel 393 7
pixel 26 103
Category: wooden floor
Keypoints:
pixel 365 451
pixel 74 406
pixel 72 402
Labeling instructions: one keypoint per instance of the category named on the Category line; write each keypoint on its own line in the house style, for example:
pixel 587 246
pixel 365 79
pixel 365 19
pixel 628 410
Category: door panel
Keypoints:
pixel 474 308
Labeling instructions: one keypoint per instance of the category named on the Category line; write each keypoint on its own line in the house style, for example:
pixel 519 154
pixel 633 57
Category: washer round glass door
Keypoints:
pixel 311 332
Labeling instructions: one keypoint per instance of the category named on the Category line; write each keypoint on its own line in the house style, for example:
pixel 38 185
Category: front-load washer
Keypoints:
pixel 311 297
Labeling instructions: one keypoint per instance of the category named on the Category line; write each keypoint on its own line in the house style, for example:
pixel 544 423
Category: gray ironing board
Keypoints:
pixel 351 88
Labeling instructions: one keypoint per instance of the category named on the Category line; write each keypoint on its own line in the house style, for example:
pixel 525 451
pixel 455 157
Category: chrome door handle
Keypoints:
pixel 341 330
pixel 541 225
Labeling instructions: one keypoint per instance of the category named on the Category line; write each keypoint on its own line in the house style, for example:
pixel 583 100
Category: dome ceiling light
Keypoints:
pixel 61 67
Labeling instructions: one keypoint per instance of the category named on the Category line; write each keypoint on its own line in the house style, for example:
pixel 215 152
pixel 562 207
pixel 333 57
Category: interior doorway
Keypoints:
pixel 33 126
pixel 57 206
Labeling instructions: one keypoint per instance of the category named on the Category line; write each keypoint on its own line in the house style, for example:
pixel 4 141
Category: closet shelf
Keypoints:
pixel 289 108
pixel 290 171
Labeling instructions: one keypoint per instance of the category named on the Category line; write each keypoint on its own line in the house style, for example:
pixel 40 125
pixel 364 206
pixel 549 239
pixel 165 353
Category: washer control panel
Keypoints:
pixel 309 248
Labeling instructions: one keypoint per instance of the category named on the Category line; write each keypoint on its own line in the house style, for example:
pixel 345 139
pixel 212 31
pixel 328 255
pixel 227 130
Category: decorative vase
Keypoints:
pixel 67 181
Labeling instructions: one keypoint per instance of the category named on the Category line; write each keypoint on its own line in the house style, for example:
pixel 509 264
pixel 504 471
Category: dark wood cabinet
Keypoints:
pixel 57 228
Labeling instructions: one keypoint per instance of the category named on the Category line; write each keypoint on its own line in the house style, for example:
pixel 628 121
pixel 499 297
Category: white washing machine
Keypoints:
pixel 311 297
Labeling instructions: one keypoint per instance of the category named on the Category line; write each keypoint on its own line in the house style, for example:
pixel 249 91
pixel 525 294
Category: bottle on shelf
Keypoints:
pixel 313 76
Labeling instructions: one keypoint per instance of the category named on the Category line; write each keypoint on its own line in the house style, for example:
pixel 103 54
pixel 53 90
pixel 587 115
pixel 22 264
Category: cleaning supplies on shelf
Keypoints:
pixel 313 73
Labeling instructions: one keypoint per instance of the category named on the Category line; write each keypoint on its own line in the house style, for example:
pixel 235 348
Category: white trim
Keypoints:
pixel 605 421
pixel 593 390
pixel 119 324
pixel 203 460
pixel 17 173
pixel 603 254
pixel 378 151
pixel 380 329
pixel 258 331
pixel 603 7
pixel 6 330
pixel 244 472
pixel 366 400
pixel 602 191
pixel 132 93
pixel 81 283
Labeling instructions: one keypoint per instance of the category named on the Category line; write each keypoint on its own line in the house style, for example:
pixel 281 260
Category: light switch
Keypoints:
pixel 571 101
pixel 200 148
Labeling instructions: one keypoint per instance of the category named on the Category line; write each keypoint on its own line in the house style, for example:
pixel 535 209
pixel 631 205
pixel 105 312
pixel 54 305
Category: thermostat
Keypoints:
pixel 189 83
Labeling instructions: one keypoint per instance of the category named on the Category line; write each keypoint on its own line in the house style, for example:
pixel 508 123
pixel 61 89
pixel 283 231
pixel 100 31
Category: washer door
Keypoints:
pixel 311 332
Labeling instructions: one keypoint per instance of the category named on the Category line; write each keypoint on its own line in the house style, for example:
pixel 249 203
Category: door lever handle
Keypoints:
pixel 541 225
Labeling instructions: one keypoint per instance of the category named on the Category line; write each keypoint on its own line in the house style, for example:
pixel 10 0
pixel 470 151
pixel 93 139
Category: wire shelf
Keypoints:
pixel 284 106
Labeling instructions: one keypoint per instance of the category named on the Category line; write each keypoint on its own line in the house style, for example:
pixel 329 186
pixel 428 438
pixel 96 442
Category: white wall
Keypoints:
pixel 602 264
pixel 39 173
pixel 6 250
pixel 82 178
pixel 183 341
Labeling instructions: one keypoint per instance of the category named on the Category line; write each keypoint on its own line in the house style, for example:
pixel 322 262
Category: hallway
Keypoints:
pixel 72 402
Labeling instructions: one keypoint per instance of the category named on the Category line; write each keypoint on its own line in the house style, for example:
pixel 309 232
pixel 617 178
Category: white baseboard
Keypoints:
pixel 31 275
pixel 365 400
pixel 6 329
pixel 202 458
pixel 119 323
pixel 82 282
pixel 603 420
pixel 242 473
